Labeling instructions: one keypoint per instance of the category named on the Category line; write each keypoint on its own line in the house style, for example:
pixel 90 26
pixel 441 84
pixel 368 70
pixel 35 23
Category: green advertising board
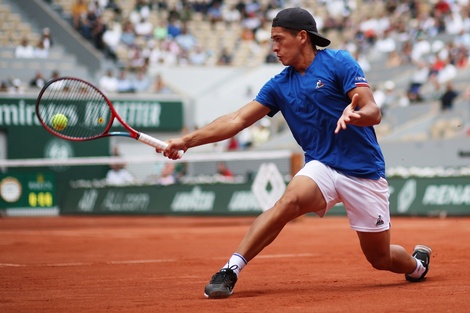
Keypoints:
pixel 142 114
pixel 435 196
pixel 408 197
pixel 28 191
pixel 26 138
pixel 210 199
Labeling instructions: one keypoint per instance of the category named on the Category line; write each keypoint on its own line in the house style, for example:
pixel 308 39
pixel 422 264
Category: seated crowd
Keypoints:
pixel 155 33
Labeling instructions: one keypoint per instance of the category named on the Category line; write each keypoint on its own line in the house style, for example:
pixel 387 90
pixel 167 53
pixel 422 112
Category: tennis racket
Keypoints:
pixel 74 109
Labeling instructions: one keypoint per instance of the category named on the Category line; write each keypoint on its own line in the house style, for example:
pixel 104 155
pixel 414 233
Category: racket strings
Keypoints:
pixel 87 112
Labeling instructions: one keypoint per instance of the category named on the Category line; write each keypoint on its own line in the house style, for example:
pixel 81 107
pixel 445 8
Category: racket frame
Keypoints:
pixel 132 133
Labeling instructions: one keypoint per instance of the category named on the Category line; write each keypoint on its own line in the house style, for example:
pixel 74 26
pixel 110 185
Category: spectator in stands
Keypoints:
pixel 447 73
pixel 140 83
pixel 155 53
pixel 245 139
pixel 108 83
pixel 170 52
pixel 261 132
pixel 136 60
pixel 24 49
pixel 459 56
pixel 379 96
pixel 391 97
pixel 40 51
pixel 124 83
pixel 167 175
pixel 197 56
pixel 111 39
pixel 174 13
pixel 128 34
pixel 448 97
pixel 173 28
pixel 361 58
pixel 160 32
pixel 420 48
pixel 46 38
pixel 79 11
pixel 186 12
pixel 263 35
pixel 225 57
pixel 385 43
pixel 394 59
pixel 114 6
pixel 16 87
pixel 232 144
pixel 144 28
pixel 419 77
pixel 463 38
pixel 57 85
pixel 38 81
pixel 118 175
pixel 3 86
pixel 88 23
pixel 214 14
pixel 231 15
pixel 181 170
pixel 186 40
pixel 224 171
pixel 98 28
pixel 251 22
pixel 161 86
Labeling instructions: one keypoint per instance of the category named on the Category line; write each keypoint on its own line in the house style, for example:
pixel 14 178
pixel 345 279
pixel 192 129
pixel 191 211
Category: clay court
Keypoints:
pixel 161 264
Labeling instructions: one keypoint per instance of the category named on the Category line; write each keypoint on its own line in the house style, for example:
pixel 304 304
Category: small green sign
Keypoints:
pixel 27 190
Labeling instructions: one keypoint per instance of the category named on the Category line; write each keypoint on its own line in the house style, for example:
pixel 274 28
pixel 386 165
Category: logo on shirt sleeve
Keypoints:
pixel 361 81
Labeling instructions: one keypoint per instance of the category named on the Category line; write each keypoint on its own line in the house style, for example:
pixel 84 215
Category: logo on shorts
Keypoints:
pixel 380 221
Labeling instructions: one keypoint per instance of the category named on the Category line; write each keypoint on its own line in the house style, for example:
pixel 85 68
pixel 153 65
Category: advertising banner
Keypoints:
pixel 408 197
pixel 28 191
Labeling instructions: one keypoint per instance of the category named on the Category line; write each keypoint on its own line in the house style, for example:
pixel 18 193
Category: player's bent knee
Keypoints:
pixel 382 264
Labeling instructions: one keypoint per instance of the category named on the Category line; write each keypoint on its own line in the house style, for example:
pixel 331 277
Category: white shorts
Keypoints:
pixel 365 200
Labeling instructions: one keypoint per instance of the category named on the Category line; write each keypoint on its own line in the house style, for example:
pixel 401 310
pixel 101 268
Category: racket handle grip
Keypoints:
pixel 154 142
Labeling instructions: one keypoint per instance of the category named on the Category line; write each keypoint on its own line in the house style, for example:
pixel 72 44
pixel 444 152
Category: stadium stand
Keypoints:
pixel 357 27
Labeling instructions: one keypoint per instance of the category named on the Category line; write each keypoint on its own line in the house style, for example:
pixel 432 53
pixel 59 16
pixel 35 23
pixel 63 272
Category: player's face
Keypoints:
pixel 285 45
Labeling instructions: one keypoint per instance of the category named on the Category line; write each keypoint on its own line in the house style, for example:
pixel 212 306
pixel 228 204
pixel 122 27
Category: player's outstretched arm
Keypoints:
pixel 362 111
pixel 220 129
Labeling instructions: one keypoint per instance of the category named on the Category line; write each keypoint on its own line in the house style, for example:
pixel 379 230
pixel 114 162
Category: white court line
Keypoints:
pixel 149 261
pixel 143 261
pixel 291 255
pixel 11 265
pixel 71 264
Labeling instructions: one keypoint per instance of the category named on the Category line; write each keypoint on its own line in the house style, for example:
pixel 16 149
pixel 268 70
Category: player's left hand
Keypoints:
pixel 349 114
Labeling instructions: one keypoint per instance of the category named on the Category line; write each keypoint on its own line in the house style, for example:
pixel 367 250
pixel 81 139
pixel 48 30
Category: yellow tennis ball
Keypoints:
pixel 59 122
pixel 101 120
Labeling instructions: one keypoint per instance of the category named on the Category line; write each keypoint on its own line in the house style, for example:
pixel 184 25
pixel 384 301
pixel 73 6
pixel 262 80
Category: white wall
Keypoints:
pixel 217 90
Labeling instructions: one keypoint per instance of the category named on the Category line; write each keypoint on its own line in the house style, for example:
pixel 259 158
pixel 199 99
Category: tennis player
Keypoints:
pixel 329 107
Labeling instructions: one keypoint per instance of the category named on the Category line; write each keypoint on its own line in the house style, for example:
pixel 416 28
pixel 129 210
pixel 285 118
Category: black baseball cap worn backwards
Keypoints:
pixel 301 19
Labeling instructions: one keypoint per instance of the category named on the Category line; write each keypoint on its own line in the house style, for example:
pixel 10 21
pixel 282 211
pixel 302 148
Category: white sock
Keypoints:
pixel 236 263
pixel 419 270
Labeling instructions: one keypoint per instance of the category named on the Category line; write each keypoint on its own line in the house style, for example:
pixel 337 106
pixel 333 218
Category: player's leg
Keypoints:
pixel 394 258
pixel 301 196
pixel 384 256
pixel 367 206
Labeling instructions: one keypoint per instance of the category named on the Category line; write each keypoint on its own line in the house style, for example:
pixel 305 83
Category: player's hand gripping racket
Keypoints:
pixel 73 109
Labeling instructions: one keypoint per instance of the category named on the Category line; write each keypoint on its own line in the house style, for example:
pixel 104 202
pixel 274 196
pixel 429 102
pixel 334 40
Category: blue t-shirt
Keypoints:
pixel 312 104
